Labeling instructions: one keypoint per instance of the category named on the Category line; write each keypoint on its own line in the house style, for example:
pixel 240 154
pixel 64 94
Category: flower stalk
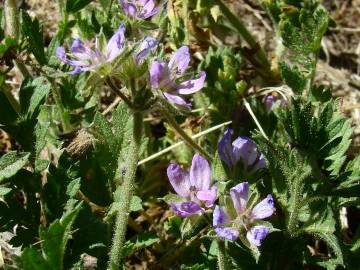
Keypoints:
pixel 11 19
pixel 222 263
pixel 170 119
pixel 127 190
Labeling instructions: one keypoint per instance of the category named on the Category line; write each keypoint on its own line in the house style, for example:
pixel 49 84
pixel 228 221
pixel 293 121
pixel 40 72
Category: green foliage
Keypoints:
pixel 62 179
pixel 140 241
pixel 301 31
pixel 324 132
pixel 73 6
pixel 221 67
pixel 109 140
pixel 33 33
pixel 53 244
pixel 11 163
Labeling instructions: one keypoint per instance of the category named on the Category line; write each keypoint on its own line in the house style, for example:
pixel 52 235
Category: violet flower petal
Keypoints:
pixel 260 164
pixel 147 9
pixel 257 234
pixel 129 8
pixel 227 233
pixel 192 86
pixel 177 100
pixel 240 195
pixel 245 148
pixel 200 173
pixel 159 72
pixel 179 179
pixel 79 50
pixel 116 43
pixel 220 217
pixel 61 54
pixel 148 45
pixel 207 196
pixel 186 209
pixel 263 209
pixel 77 70
pixel 180 60
pixel 269 102
pixel 225 148
pixel 152 13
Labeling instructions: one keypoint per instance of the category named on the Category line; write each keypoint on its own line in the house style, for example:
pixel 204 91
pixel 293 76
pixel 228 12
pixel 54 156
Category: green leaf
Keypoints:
pixel 32 95
pixel 140 241
pixel 34 34
pixel 73 6
pixel 32 260
pixel 136 204
pixel 55 238
pixel 293 77
pixel 73 187
pixel 6 45
pixel 4 191
pixel 301 31
pixel 11 163
pixel 333 243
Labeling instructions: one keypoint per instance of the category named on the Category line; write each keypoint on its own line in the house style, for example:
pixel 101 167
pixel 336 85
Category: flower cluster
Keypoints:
pixel 166 77
pixel 140 9
pixel 242 148
pixel 194 187
pixel 229 226
pixel 91 57
pixel 197 193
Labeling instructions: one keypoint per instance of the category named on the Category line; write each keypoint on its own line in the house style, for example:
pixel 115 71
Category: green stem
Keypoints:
pixel 118 92
pixel 222 263
pixel 109 10
pixel 65 117
pixel 244 32
pixel 127 190
pixel 186 20
pixel 62 7
pixel 11 19
pixel 170 119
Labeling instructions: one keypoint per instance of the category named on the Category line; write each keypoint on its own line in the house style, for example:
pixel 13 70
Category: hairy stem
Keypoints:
pixel 118 92
pixel 222 263
pixel 244 32
pixel 11 19
pixel 64 114
pixel 170 119
pixel 185 12
pixel 127 189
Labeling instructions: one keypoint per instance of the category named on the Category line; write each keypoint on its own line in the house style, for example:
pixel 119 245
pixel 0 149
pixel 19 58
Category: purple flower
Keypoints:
pixel 87 58
pixel 140 9
pixel 257 234
pixel 271 101
pixel 241 148
pixel 165 76
pixel 90 57
pixel 229 227
pixel 194 186
pixel 148 45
